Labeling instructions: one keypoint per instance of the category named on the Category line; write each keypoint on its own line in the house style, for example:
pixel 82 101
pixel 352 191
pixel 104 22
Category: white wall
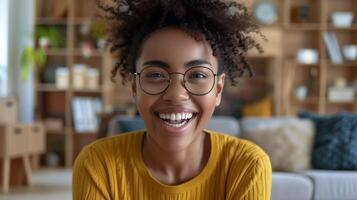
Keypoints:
pixel 4 7
pixel 21 25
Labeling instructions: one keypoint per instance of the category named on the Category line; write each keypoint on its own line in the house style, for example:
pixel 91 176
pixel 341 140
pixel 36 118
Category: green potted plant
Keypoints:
pixel 31 58
pixel 97 32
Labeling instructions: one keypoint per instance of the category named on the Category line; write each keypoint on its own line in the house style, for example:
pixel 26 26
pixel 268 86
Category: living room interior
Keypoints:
pixel 57 96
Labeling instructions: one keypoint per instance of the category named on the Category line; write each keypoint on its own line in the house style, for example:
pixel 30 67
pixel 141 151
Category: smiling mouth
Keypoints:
pixel 176 120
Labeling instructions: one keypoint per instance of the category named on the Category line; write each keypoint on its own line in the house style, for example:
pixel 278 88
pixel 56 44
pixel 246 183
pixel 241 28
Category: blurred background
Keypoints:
pixel 56 94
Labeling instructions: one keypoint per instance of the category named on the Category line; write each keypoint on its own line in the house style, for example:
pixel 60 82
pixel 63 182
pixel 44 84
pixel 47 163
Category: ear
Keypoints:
pixel 219 89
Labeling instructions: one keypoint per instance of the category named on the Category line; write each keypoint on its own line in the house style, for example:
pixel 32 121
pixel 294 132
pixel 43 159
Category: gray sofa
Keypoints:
pixel 307 185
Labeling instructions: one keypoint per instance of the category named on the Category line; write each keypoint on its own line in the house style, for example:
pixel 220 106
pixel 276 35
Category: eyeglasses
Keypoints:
pixel 196 80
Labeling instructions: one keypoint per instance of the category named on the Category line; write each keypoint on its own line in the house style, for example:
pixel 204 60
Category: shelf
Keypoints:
pixel 333 28
pixel 80 21
pixel 306 65
pixel 303 26
pixel 55 133
pixel 50 21
pixel 92 91
pixel 85 134
pixel 75 52
pixel 350 103
pixel 50 88
pixel 307 101
pixel 345 64
pixel 56 52
pixel 95 53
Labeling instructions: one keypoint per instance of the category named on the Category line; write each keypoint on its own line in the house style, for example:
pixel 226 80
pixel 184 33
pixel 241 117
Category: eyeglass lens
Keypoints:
pixel 197 80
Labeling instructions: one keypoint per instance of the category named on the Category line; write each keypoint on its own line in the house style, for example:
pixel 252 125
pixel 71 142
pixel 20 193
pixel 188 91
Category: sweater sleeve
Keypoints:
pixel 252 182
pixel 89 177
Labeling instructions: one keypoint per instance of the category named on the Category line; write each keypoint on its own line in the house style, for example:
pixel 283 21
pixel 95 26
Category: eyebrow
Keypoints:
pixel 191 63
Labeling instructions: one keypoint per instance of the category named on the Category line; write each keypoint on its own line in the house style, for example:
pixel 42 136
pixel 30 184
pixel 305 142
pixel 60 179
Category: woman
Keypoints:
pixel 176 55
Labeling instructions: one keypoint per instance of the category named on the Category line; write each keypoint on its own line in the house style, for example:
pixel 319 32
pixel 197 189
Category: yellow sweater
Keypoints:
pixel 112 168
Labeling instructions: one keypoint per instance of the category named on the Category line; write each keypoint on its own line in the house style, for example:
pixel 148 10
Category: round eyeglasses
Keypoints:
pixel 196 80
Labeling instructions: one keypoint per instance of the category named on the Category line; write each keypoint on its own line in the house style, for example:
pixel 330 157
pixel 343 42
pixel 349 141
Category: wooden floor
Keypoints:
pixel 48 184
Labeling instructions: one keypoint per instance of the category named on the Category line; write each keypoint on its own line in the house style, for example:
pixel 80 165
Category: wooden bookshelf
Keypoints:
pixel 308 34
pixel 53 102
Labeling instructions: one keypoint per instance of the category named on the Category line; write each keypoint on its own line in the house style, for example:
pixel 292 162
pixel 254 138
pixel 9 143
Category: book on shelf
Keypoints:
pixel 85 111
pixel 341 94
pixel 333 48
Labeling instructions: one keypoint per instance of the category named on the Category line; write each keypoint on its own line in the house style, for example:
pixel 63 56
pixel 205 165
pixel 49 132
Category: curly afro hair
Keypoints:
pixel 226 25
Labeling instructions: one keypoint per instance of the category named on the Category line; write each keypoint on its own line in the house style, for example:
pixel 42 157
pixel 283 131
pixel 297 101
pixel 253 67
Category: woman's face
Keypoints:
pixel 173 50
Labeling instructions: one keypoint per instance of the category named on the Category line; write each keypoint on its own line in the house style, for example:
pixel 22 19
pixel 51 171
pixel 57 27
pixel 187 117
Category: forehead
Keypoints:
pixel 174 47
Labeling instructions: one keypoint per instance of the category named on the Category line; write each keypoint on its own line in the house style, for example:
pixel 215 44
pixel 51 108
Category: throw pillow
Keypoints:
pixel 130 124
pixel 335 145
pixel 261 108
pixel 287 141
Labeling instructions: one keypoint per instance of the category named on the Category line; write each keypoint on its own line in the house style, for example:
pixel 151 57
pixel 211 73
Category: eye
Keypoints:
pixel 154 75
pixel 197 75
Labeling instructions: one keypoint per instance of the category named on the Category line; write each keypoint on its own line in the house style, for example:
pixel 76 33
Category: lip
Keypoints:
pixel 173 130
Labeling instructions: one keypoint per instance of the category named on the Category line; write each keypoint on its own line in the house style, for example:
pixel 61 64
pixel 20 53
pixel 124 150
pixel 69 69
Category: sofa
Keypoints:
pixel 299 183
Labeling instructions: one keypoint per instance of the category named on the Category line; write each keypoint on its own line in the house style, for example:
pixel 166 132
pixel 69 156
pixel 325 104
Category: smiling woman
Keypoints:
pixel 176 56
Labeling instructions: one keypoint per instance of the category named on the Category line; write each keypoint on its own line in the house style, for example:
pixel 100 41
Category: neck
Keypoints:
pixel 175 167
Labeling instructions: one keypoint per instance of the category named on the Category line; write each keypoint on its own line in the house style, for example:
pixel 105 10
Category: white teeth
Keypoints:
pixel 162 116
pixel 178 116
pixel 189 115
pixel 175 116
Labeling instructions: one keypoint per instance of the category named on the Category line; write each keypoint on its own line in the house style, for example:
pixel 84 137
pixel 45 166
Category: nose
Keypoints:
pixel 176 90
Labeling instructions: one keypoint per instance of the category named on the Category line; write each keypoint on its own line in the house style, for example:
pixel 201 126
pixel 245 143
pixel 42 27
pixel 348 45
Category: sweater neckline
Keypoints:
pixel 197 180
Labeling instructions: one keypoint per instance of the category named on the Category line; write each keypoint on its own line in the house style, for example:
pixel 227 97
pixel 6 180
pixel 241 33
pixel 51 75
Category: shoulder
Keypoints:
pixel 109 149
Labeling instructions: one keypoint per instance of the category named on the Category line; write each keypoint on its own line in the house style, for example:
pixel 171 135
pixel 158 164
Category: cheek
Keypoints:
pixel 144 104
pixel 207 104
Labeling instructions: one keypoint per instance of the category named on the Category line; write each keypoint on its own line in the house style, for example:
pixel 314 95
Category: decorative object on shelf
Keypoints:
pixel 85 110
pixel 49 37
pixel 333 48
pixel 52 159
pixel 54 125
pixel 301 14
pixel 62 77
pixel 265 12
pixel 341 92
pixel 342 19
pixel 79 76
pixel 301 92
pixel 307 56
pixel 340 82
pixel 350 52
pixel 48 73
pixel 92 78
pixel 87 49
pixel 97 32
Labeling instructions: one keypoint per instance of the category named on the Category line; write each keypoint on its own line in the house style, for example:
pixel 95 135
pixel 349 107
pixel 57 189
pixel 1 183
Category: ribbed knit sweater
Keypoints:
pixel 113 168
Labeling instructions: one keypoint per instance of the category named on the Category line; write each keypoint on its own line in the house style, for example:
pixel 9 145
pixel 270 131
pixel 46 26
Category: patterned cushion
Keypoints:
pixel 335 145
pixel 287 141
